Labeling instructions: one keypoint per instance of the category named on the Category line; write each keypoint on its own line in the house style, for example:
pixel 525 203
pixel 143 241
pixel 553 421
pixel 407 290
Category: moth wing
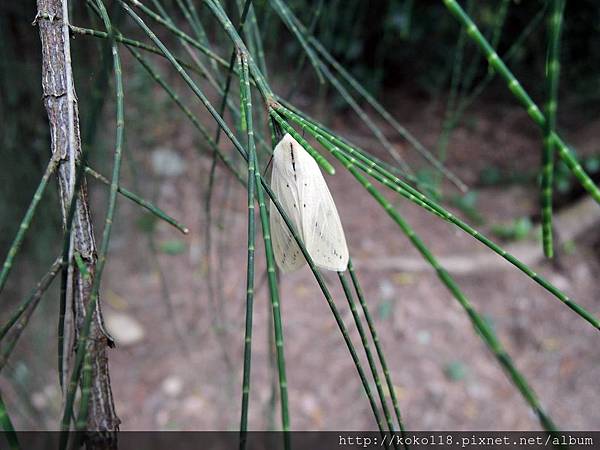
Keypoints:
pixel 322 229
pixel 287 252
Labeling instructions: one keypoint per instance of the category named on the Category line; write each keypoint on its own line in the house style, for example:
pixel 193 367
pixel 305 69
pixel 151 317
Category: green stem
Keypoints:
pixel 337 316
pixel 480 325
pixel 519 92
pixel 287 17
pixel 188 113
pixel 130 43
pixel 21 316
pixel 377 106
pixel 334 144
pixel 246 108
pixel 365 343
pixel 552 80
pixel 26 222
pixel 149 206
pixel 380 354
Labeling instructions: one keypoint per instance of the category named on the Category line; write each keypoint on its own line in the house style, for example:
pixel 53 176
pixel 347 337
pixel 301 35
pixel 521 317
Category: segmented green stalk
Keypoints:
pixel 367 162
pixel 7 426
pixel 377 106
pixel 254 34
pixel 286 16
pixel 333 144
pixel 227 84
pixel 198 92
pixel 146 204
pixel 261 83
pixel 338 318
pixel 495 34
pixel 26 222
pixel 510 53
pixel 193 86
pixel 552 80
pixel 188 113
pixel 380 354
pixel 246 109
pixel 457 66
pixel 360 112
pixel 180 34
pixel 300 64
pixel 198 28
pixel 213 165
pixel 131 43
pixel 515 87
pixel 21 316
pixel 85 330
pixel 367 347
pixel 480 325
pixel 413 179
pixel 275 304
pixel 184 44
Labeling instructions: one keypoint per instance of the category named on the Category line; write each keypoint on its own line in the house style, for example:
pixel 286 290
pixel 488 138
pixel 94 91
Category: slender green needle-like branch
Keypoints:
pixel 320 159
pixel 377 106
pixel 270 257
pixel 149 206
pixel 522 96
pixel 334 144
pixel 377 343
pixel 300 64
pixel 188 113
pixel 552 79
pixel 132 43
pixel 26 222
pixel 246 107
pixel 479 324
pixel 328 297
pixel 86 383
pixel 367 347
pixel 19 320
pixel 177 32
pixel 193 86
pixel 287 17
pixel 213 166
pixel 517 44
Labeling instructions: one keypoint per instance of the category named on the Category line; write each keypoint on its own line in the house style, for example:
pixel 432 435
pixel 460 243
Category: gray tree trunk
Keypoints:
pixel 61 105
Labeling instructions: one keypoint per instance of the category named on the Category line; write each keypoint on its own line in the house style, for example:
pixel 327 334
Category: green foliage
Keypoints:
pixel 456 371
pixel 517 230
pixel 467 203
pixel 172 247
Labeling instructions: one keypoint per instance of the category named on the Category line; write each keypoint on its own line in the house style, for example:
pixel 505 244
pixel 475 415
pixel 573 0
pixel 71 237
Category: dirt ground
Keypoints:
pixel 445 377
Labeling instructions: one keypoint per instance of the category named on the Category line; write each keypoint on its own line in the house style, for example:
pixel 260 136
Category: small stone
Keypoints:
pixel 167 163
pixel 124 329
pixel 172 386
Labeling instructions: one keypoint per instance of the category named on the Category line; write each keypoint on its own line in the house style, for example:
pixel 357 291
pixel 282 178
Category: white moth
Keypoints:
pixel 301 189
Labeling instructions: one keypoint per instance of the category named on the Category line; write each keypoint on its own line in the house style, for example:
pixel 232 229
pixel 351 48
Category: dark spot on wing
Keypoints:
pixel 293 160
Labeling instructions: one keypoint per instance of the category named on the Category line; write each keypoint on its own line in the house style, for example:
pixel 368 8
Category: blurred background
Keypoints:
pixel 175 304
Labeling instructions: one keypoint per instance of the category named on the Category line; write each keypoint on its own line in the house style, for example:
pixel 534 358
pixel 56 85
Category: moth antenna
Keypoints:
pixel 267 166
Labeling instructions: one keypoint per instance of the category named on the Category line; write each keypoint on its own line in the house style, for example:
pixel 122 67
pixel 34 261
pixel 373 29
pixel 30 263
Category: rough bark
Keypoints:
pixel 61 105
